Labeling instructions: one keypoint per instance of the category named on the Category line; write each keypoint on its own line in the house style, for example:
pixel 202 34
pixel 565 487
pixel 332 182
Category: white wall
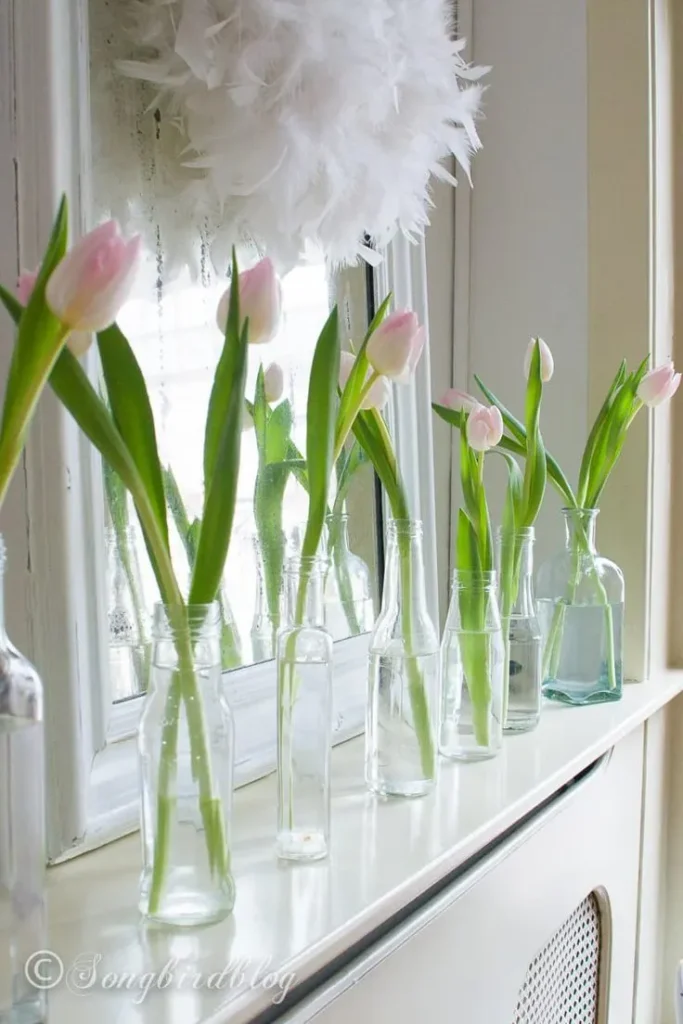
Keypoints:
pixel 529 211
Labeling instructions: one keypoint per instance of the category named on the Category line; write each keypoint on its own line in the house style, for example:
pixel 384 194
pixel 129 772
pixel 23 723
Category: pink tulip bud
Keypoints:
pixel 547 361
pixel 260 302
pixel 460 401
pixel 380 390
pixel 90 285
pixel 484 428
pixel 25 285
pixel 659 385
pixel 396 346
pixel 274 382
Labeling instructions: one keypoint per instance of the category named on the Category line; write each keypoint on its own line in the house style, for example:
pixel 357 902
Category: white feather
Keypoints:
pixel 289 123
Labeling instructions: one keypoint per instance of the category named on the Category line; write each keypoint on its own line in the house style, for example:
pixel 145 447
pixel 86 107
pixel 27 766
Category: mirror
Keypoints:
pixel 171 323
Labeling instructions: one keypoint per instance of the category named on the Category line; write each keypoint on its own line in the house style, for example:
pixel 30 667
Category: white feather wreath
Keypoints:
pixel 286 122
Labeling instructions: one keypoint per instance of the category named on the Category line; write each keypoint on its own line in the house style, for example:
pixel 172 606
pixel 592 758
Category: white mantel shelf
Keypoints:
pixel 297 919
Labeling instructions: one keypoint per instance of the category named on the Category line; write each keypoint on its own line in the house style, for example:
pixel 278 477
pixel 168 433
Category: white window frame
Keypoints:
pixel 57 578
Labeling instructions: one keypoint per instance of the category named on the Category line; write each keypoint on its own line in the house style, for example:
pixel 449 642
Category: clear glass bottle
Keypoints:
pixel 263 628
pixel 23 929
pixel 472 669
pixel 348 590
pixel 400 750
pixel 521 630
pixel 304 714
pixel 580 601
pixel 186 748
pixel 129 647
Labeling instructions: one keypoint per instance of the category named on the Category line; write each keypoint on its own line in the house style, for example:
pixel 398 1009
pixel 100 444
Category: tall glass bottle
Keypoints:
pixel 580 599
pixel 400 756
pixel 521 630
pixel 186 748
pixel 348 591
pixel 472 656
pixel 304 714
pixel 22 830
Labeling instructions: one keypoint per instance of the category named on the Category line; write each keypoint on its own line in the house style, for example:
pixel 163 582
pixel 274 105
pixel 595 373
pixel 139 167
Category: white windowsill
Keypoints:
pixel 293 920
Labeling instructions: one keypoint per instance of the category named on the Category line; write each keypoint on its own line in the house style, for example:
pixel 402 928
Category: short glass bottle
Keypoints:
pixel 521 630
pixel 580 601
pixel 186 749
pixel 304 714
pixel 23 927
pixel 348 591
pixel 400 748
pixel 472 669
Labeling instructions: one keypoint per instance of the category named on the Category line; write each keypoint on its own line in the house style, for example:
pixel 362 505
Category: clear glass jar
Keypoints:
pixel 349 606
pixel 400 752
pixel 129 647
pixel 472 670
pixel 304 720
pixel 23 929
pixel 186 748
pixel 580 601
pixel 521 630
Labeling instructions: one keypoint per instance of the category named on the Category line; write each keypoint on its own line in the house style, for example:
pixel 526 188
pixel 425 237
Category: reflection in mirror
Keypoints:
pixel 172 327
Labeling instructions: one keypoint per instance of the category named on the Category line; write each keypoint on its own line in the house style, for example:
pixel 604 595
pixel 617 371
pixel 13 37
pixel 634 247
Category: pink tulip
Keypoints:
pixel 460 401
pixel 25 285
pixel 379 392
pixel 547 361
pixel 484 428
pixel 659 385
pixel 274 382
pixel 78 341
pixel 396 346
pixel 90 285
pixel 260 302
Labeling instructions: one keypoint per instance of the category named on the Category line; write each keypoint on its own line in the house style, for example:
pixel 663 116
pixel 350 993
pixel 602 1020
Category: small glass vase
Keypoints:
pixel 304 717
pixel 472 670
pixel 186 749
pixel 521 631
pixel 23 928
pixel 348 591
pixel 580 600
pixel 400 749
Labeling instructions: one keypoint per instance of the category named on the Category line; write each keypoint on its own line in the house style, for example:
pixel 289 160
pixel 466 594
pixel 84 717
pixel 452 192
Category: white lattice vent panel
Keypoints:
pixel 562 982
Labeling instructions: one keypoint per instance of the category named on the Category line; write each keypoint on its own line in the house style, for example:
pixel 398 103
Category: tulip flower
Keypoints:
pixel 484 428
pixel 25 285
pixel 396 346
pixel 88 287
pixel 274 383
pixel 659 385
pixel 78 341
pixel 260 302
pixel 459 401
pixel 379 392
pixel 547 361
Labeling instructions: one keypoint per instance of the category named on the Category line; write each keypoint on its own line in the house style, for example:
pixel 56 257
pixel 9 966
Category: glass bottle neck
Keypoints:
pixel 338 533
pixel 515 551
pixel 304 592
pixel 404 577
pixel 579 526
